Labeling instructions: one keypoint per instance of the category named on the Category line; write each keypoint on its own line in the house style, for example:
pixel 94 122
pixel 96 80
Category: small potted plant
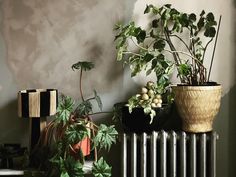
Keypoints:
pixel 154 99
pixel 73 135
pixel 183 36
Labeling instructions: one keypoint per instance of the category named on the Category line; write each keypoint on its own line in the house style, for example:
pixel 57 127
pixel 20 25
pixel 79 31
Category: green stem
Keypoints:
pixel 80 85
pixel 187 54
pixel 203 56
pixel 92 98
pixel 175 55
pixel 129 52
pixel 104 112
pixel 139 46
pixel 183 43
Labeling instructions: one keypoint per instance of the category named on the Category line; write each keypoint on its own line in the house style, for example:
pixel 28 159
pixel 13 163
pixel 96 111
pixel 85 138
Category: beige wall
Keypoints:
pixel 41 39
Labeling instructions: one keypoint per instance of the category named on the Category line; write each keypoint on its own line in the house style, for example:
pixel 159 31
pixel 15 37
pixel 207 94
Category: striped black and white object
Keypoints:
pixel 37 103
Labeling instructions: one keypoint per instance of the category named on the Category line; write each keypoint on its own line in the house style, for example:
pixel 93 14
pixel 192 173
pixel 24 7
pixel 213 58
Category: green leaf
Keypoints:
pixel 64 174
pixel 83 65
pixel 154 63
pixel 192 17
pixel 184 21
pixel 148 57
pixel 141 36
pixel 148 9
pixel 120 53
pixel 202 13
pixel 84 108
pixel 101 168
pixel 64 109
pixel 200 23
pixel 167 5
pixel 98 99
pixel 74 167
pixel 184 70
pixel 136 67
pixel 155 23
pixel 132 103
pixel 210 32
pixel 159 44
pixel 75 133
pixel 105 137
pixel 210 17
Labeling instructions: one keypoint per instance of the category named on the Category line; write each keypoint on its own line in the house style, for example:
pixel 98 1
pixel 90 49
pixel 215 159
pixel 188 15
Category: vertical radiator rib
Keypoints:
pixel 173 141
pixel 124 155
pixel 154 154
pixel 169 154
pixel 144 155
pixel 134 155
pixel 163 153
pixel 183 154
pixel 192 155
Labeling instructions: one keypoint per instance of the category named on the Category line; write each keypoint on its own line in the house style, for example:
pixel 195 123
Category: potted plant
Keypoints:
pixel 183 36
pixel 138 49
pixel 73 135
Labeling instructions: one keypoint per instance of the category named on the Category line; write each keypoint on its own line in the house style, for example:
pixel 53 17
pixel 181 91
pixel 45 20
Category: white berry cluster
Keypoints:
pixel 148 94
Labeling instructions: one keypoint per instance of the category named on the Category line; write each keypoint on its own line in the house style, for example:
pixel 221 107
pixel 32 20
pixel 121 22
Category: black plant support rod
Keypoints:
pixel 213 54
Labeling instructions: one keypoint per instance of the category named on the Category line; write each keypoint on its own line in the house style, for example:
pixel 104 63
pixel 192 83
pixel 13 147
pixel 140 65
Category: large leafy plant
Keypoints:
pixel 167 26
pixel 73 123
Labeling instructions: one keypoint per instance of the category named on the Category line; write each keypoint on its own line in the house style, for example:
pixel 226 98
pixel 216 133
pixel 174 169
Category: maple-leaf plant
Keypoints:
pixel 73 130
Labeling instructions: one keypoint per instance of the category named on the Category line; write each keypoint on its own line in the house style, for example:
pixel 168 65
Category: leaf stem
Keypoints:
pixel 80 85
pixel 103 112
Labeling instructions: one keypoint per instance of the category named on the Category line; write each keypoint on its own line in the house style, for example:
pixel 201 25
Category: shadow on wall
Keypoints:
pixel 226 144
pixel 232 131
pixel 12 127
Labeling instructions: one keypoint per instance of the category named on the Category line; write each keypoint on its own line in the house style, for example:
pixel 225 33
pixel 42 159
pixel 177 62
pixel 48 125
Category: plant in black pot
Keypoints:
pixel 151 107
pixel 186 38
pixel 73 137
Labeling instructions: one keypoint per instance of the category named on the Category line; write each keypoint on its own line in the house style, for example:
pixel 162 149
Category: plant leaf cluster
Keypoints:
pixel 72 124
pixel 167 25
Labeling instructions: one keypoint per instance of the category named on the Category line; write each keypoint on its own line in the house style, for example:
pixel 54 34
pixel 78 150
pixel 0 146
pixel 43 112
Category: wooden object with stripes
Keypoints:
pixel 37 104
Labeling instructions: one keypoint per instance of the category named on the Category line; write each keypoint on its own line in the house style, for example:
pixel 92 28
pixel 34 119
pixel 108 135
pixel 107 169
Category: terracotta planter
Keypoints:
pixel 84 146
pixel 197 106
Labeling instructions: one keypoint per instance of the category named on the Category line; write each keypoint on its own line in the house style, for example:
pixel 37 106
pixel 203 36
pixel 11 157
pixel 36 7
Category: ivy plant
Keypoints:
pixel 168 25
pixel 72 124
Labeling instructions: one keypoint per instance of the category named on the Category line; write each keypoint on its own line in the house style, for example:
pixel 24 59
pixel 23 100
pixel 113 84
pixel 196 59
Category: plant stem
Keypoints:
pixel 92 98
pixel 175 55
pixel 185 53
pixel 104 112
pixel 183 43
pixel 203 56
pixel 129 52
pixel 139 46
pixel 80 84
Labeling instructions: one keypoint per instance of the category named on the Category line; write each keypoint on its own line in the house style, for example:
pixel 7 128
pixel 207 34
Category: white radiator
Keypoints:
pixel 169 154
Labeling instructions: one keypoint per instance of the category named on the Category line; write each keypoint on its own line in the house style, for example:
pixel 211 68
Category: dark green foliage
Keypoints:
pixel 64 109
pixel 105 137
pixel 73 124
pixel 101 168
pixel 76 132
pixel 167 25
pixel 83 65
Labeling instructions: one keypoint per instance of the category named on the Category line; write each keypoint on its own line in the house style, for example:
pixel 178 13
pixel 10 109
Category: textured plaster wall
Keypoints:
pixel 41 39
